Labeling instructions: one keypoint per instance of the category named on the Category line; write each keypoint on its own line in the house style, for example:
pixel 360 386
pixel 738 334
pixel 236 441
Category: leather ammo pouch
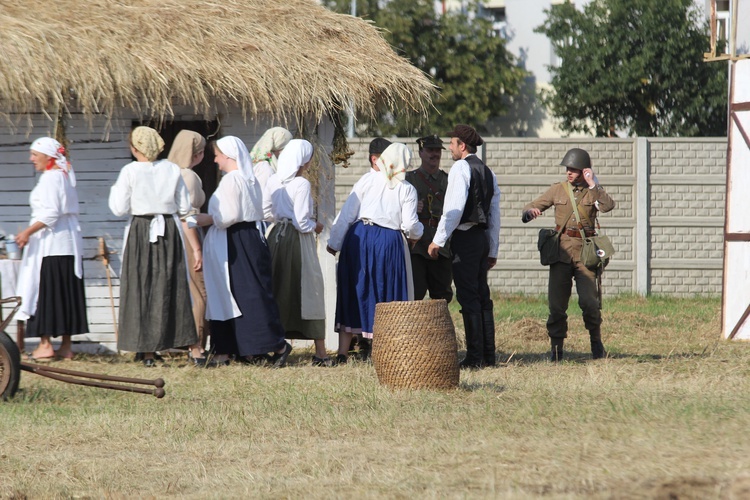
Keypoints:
pixel 595 250
pixel 549 244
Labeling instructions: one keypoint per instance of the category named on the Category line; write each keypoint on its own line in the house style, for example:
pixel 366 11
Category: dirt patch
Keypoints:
pixel 529 329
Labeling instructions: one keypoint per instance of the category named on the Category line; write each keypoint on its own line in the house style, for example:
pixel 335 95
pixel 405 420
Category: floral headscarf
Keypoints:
pixel 272 140
pixel 393 163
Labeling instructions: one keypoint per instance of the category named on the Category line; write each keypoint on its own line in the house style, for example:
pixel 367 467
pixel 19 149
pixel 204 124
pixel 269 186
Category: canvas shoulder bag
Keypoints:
pixel 595 250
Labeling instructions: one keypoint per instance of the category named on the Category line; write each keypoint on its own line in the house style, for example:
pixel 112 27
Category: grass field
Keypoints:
pixel 665 416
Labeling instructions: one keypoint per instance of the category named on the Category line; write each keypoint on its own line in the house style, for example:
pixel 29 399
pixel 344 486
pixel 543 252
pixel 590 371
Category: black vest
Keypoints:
pixel 481 189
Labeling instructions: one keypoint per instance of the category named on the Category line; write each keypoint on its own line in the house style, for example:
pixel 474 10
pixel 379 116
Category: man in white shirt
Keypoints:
pixel 471 218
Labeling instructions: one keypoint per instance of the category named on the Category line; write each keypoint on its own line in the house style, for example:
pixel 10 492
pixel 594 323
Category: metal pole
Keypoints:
pixel 350 111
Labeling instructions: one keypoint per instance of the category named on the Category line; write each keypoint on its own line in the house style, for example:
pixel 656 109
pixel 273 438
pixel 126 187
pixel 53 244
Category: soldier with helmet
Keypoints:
pixel 433 275
pixel 591 198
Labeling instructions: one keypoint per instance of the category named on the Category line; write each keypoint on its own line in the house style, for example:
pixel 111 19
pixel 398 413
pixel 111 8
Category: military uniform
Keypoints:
pixel 590 202
pixel 430 274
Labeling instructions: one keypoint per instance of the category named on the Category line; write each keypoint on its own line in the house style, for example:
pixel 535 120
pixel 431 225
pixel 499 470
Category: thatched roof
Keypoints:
pixel 276 56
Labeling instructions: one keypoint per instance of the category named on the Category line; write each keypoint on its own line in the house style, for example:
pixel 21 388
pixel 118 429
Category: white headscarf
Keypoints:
pixel 50 147
pixel 393 163
pixel 295 154
pixel 235 149
pixel 272 140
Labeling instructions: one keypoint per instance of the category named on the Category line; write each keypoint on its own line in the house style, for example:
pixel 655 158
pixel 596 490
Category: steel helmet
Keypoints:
pixel 576 158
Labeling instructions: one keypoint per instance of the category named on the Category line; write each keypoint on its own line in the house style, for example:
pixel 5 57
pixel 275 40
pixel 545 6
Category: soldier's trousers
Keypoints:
pixel 561 276
pixel 433 275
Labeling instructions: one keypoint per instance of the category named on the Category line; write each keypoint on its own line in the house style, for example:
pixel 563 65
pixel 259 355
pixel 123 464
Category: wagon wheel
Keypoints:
pixel 10 367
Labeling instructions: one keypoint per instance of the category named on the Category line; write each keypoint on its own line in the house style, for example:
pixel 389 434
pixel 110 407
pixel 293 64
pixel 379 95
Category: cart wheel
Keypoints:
pixel 10 367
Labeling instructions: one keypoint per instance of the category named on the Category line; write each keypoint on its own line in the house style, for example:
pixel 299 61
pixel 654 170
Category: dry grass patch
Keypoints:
pixel 665 417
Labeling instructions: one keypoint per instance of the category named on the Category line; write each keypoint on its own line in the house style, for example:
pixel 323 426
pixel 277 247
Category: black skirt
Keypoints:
pixel 61 309
pixel 258 330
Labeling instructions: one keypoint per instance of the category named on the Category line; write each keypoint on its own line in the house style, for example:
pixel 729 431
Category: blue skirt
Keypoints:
pixel 258 330
pixel 371 269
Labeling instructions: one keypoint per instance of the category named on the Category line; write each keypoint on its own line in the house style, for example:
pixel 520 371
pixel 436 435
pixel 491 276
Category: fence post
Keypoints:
pixel 642 228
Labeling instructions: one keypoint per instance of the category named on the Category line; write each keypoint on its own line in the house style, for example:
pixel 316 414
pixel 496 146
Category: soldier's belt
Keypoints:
pixel 573 232
pixel 430 221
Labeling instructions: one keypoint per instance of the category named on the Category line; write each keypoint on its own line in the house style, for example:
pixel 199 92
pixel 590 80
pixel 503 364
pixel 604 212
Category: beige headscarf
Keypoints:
pixel 393 163
pixel 147 141
pixel 186 145
pixel 272 140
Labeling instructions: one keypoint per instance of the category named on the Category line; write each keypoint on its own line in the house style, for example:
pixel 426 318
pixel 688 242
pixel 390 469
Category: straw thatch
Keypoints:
pixel 265 56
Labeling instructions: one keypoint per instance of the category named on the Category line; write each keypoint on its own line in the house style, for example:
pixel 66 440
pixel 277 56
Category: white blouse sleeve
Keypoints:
pixel 410 224
pixel 347 216
pixel 303 207
pixel 49 203
pixel 268 190
pixel 229 206
pixel 120 194
pixel 182 198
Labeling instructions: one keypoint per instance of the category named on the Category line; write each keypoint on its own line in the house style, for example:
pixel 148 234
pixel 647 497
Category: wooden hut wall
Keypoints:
pixel 98 150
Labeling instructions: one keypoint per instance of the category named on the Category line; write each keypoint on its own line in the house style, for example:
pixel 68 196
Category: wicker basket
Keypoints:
pixel 414 345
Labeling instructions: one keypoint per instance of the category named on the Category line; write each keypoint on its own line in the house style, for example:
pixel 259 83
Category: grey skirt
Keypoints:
pixel 155 309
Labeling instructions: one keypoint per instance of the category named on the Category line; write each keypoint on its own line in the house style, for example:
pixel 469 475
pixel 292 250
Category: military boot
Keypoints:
pixel 488 329
pixel 597 348
pixel 474 343
pixel 556 353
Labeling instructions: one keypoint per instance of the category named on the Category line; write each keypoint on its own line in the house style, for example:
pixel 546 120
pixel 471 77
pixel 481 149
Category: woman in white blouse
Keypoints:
pixel 297 277
pixel 50 280
pixel 155 309
pixel 187 152
pixel 370 231
pixel 244 316
pixel 266 151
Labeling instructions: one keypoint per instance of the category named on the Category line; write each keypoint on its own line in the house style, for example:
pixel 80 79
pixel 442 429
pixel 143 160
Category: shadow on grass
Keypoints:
pixel 481 386
pixel 585 357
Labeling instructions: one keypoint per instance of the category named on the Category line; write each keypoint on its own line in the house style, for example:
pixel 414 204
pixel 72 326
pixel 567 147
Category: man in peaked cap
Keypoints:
pixel 591 198
pixel 433 275
pixel 471 218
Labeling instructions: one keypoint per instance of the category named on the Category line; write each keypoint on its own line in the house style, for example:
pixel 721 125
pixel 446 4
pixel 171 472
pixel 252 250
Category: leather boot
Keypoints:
pixel 474 345
pixel 556 353
pixel 597 348
pixel 488 329
pixel 365 348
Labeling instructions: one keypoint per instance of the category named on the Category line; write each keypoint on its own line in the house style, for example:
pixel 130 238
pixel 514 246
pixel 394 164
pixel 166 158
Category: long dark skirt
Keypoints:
pixel 286 259
pixel 61 309
pixel 258 329
pixel 155 310
pixel 371 269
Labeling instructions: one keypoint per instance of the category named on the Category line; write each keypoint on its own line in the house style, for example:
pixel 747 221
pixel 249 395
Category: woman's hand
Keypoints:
pixel 318 227
pixel 198 258
pixel 22 238
pixel 204 219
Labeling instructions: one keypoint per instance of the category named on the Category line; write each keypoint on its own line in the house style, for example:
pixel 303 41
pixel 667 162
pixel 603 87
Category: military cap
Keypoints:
pixel 378 145
pixel 467 135
pixel 430 142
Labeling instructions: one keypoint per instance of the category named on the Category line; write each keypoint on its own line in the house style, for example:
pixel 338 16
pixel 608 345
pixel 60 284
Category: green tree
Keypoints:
pixel 637 66
pixel 470 65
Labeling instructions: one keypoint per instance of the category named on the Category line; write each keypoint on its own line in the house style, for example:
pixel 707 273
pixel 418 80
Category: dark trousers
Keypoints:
pixel 561 276
pixel 471 248
pixel 432 275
